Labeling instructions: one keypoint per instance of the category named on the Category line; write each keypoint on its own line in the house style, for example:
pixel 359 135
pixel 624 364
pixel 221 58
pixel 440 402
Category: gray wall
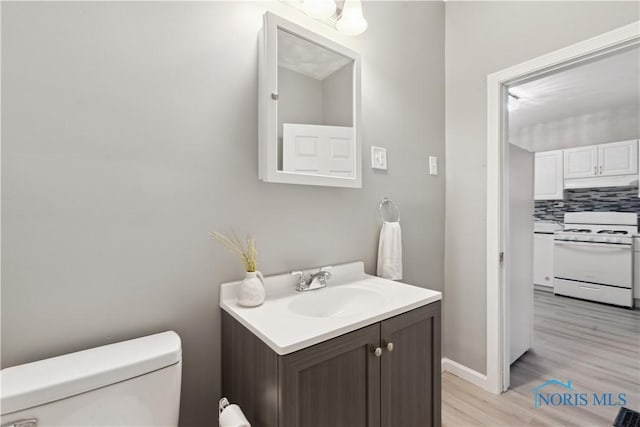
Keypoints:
pixel 130 130
pixel 300 99
pixel 337 97
pixel 481 38
pixel 306 100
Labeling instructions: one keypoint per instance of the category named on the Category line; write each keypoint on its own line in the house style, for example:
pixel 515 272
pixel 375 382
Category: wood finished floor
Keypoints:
pixel 596 346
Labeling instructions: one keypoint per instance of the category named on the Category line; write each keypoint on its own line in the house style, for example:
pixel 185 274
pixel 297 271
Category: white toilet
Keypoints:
pixel 131 383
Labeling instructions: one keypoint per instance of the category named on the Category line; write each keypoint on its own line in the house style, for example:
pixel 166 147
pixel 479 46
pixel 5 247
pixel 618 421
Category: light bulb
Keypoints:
pixel 352 22
pixel 319 9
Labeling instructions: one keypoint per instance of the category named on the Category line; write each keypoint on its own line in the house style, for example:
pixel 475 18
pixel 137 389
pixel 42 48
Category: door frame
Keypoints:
pixel 497 377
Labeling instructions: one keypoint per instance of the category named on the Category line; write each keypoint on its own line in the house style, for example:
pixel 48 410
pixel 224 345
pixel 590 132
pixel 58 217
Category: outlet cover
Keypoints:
pixel 379 158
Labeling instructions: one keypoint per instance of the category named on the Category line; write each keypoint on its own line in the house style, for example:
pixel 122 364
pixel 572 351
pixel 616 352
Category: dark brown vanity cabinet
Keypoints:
pixel 385 374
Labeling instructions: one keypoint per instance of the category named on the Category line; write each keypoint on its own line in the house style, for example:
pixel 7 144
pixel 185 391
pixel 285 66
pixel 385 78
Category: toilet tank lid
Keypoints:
pixel 37 383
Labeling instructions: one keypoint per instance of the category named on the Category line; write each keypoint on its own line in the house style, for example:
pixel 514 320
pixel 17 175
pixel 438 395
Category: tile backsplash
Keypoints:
pixel 608 199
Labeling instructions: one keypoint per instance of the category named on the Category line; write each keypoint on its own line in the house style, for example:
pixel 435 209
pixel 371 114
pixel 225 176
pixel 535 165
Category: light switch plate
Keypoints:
pixel 379 158
pixel 433 165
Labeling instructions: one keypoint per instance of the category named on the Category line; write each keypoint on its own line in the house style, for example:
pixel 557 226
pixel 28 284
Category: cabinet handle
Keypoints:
pixel 274 96
pixel 600 169
pixel 377 352
pixel 390 347
pixel 595 170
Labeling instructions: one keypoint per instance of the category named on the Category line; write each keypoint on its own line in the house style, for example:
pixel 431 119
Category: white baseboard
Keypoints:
pixel 466 373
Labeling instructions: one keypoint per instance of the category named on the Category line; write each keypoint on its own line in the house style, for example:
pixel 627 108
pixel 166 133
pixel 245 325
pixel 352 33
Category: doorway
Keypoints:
pixel 498 260
pixel 572 212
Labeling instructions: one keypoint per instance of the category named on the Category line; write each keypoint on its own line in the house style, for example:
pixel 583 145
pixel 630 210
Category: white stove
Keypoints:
pixel 602 236
pixel 593 256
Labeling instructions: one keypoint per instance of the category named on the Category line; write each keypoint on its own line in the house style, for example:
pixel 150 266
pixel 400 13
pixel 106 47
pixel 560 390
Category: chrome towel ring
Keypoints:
pixel 388 211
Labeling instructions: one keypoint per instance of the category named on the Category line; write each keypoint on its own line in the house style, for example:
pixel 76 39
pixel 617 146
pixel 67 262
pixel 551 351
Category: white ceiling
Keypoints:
pixel 592 103
pixel 302 56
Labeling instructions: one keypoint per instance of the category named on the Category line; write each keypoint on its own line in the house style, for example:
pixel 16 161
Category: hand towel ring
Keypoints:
pixel 386 205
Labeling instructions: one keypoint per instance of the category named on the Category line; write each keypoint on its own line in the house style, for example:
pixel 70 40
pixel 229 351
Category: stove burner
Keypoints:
pixel 578 230
pixel 612 232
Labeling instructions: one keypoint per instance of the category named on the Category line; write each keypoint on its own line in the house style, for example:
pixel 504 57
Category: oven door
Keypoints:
pixel 602 263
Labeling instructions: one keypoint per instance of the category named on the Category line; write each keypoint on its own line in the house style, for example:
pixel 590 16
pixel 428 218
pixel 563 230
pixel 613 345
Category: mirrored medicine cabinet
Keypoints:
pixel 309 108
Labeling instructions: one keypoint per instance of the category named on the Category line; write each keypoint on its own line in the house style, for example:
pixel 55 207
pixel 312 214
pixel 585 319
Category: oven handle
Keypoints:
pixel 620 246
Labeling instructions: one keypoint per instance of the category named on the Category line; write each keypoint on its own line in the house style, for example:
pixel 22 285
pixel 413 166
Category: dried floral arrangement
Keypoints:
pixel 248 254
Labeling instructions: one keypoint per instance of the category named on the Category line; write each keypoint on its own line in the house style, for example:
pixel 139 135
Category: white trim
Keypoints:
pixel 464 372
pixel 497 341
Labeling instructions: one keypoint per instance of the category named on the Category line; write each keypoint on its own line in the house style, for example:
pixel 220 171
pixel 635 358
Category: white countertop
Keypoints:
pixel 285 332
pixel 544 227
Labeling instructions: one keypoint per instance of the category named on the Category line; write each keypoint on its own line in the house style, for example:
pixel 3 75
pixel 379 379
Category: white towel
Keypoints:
pixel 390 251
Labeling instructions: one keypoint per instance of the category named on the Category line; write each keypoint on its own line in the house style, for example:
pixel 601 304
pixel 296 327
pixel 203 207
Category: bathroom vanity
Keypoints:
pixel 364 351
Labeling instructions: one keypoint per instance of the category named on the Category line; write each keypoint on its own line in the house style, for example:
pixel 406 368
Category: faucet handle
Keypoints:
pixel 326 270
pixel 300 274
pixel 302 280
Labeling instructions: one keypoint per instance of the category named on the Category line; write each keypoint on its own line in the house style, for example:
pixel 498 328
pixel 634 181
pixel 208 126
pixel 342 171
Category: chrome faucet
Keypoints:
pixel 314 281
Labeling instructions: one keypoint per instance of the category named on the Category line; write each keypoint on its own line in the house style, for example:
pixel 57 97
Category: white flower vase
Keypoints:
pixel 251 290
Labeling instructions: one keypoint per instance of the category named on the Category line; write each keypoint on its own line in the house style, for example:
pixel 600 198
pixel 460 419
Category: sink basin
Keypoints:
pixel 340 301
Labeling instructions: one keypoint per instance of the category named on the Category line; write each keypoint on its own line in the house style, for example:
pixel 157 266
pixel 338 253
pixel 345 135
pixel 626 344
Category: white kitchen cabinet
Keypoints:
pixel 543 259
pixel 549 177
pixel 618 158
pixel 605 165
pixel 581 162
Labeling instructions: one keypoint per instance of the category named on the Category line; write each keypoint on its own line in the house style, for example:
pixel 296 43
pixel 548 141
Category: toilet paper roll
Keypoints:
pixel 232 416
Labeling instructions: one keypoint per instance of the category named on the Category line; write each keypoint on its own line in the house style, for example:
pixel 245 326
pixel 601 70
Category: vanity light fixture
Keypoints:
pixel 351 21
pixel 344 15
pixel 319 9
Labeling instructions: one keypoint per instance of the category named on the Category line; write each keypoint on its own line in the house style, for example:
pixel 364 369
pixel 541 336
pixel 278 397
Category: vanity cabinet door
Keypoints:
pixel 335 383
pixel 410 371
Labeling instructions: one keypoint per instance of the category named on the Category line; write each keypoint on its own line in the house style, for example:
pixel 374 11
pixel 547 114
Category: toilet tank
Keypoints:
pixel 130 383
